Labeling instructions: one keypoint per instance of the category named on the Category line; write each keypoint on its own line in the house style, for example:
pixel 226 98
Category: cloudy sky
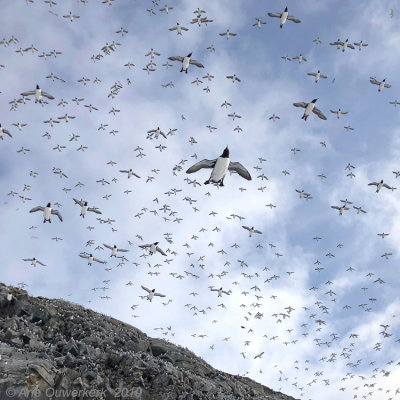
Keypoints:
pixel 326 315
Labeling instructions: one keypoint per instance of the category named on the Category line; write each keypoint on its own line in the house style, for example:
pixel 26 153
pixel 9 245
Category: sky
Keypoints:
pixel 326 316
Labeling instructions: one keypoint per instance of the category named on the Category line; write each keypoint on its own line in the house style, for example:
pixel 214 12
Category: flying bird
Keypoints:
pixel 38 93
pixel 151 293
pixel 251 230
pixel 381 84
pixel 186 61
pixel 114 250
pixel 220 167
pixel 85 208
pixel 47 212
pixel 284 16
pixel 310 107
pixel 153 248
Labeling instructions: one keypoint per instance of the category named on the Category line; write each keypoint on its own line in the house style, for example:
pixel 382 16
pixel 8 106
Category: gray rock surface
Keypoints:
pixel 52 348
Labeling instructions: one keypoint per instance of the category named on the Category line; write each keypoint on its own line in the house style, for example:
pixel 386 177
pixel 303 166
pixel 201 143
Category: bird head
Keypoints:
pixel 314 101
pixel 37 87
pixel 48 205
pixel 156 243
pixel 286 9
pixel 189 55
pixel 225 153
pixel 86 203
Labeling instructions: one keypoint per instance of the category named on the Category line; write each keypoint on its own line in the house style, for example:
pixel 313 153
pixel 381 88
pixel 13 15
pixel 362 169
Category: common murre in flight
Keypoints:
pixel 220 167
pixel 114 250
pixel 310 107
pixel 38 93
pixel 186 61
pixel 90 258
pixel 85 208
pixel 284 16
pixel 151 293
pixel 153 248
pixel 47 211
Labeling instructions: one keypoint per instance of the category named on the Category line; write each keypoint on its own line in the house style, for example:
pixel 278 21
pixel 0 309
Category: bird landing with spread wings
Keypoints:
pixel 220 166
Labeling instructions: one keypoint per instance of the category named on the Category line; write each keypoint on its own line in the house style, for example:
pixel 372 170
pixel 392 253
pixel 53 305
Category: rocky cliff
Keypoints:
pixel 55 349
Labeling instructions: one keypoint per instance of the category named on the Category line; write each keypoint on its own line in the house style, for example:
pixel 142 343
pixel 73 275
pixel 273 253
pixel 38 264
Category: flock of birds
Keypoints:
pixel 219 168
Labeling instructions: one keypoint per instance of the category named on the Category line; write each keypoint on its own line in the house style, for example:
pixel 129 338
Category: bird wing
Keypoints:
pixel 335 207
pixel 7 132
pixel 373 183
pixel 196 63
pixel 184 29
pixel 84 256
pixel 80 202
pixel 311 73
pixel 350 46
pixel 323 76
pixel 108 246
pixel 49 96
pixel 56 212
pixel 30 93
pixel 387 85
pixel 160 251
pixel 159 294
pixel 39 262
pixel 124 170
pixel 240 169
pixel 386 186
pixel 176 58
pixel 357 44
pixel 30 259
pixel 275 15
pixel 301 104
pixel 201 164
pixel 99 261
pixel 374 81
pixel 145 288
pixel 173 29
pixel 257 231
pixel 336 43
pixel 144 246
pixel 38 208
pixel 95 210
pixel 318 112
pixel 123 250
pixel 293 19
pixel 246 227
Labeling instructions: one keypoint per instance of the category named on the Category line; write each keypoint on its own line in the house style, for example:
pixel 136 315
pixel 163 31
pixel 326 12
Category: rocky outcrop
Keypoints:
pixel 52 348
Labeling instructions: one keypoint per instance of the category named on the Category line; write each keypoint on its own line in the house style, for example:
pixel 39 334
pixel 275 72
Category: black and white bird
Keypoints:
pixel 90 258
pixel 38 93
pixel 251 230
pixel 153 248
pixel 220 291
pixel 380 185
pixel 309 108
pixel 4 131
pixel 47 212
pixel 344 45
pixel 85 208
pixel 284 16
pixel 34 261
pixel 186 61
pixel 129 172
pixel 381 84
pixel 220 166
pixel 317 75
pixel 114 250
pixel 151 293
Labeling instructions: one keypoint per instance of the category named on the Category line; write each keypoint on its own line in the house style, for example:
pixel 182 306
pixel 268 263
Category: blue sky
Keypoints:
pixel 318 355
